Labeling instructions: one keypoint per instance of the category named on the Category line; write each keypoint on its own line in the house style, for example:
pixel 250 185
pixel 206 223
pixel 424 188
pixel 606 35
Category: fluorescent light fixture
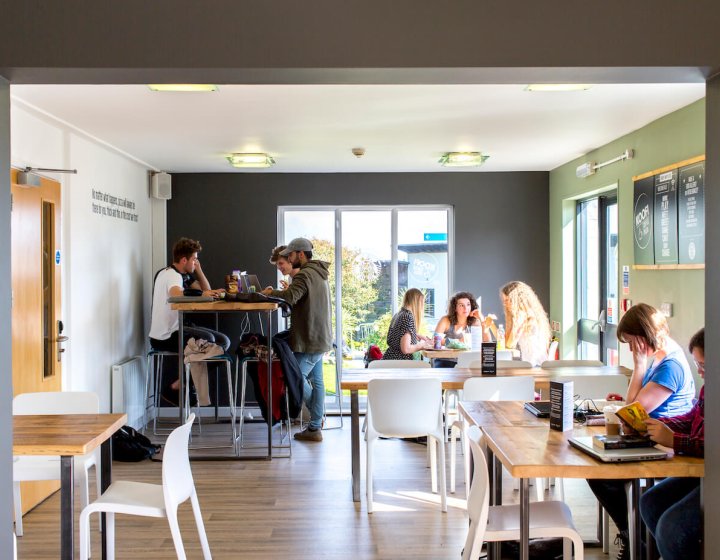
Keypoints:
pixel 463 159
pixel 558 87
pixel 183 87
pixel 250 160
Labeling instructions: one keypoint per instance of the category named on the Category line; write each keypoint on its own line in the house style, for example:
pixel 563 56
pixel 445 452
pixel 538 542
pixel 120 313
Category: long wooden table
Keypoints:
pixel 528 450
pixel 68 435
pixel 356 380
pixel 221 306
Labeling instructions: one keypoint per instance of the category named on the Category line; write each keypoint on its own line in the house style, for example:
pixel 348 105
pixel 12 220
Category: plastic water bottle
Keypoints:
pixel 501 337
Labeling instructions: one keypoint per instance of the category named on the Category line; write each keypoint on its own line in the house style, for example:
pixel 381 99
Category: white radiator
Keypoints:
pixel 128 390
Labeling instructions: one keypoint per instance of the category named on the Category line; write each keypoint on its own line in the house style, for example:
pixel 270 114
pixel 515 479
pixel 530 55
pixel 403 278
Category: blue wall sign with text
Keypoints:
pixel 435 237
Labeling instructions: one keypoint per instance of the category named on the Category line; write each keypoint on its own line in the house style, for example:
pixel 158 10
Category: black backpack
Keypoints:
pixel 129 445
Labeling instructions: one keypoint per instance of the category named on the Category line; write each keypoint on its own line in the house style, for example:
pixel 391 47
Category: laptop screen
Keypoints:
pixel 251 280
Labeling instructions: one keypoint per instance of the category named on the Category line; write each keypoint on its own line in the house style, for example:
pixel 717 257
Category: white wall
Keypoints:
pixel 107 270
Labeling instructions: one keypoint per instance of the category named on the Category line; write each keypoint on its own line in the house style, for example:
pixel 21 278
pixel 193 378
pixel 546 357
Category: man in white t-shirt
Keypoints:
pixel 185 272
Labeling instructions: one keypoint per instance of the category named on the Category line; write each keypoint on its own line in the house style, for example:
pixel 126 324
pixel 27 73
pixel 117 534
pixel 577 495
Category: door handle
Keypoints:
pixel 62 338
pixel 59 340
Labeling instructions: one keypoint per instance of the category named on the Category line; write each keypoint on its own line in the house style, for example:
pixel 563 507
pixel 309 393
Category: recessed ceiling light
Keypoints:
pixel 250 160
pixel 183 87
pixel 463 159
pixel 558 87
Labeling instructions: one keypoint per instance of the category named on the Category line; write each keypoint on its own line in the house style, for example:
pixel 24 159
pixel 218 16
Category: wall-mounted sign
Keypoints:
pixel 434 236
pixel 57 257
pixel 669 214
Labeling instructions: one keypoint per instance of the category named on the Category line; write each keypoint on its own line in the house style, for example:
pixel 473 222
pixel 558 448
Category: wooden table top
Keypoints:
pixel 215 306
pixel 538 451
pixel 63 434
pixel 454 378
pixel 498 413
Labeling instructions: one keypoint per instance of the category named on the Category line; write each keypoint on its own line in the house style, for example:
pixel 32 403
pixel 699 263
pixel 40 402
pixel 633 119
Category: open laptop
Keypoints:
pixel 585 445
pixel 249 280
pixel 541 409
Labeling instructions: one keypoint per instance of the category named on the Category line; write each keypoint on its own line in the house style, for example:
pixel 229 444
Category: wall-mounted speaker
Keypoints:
pixel 162 186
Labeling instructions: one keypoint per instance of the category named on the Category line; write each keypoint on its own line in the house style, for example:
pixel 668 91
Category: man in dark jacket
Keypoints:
pixel 310 329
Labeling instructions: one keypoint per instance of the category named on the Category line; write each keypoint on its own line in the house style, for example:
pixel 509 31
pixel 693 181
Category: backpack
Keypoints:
pixel 129 445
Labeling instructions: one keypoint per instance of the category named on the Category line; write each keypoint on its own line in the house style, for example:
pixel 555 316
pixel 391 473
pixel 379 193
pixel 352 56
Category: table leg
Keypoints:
pixel 67 507
pixel 495 485
pixel 105 480
pixel 524 519
pixel 652 551
pixel 634 521
pixel 269 385
pixel 181 369
pixel 355 443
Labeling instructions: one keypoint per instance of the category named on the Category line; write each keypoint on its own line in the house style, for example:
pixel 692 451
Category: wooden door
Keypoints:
pixel 36 351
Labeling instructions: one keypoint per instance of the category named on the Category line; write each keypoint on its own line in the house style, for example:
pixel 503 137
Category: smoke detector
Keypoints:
pixel 358 152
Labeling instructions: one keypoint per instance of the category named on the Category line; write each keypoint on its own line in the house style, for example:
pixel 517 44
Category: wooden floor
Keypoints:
pixel 301 508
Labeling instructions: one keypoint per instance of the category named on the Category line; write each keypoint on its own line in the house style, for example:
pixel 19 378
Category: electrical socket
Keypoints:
pixel 666 309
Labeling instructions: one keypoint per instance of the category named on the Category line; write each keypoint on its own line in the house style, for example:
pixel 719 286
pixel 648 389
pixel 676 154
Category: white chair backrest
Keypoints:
pixel 56 402
pixel 520 388
pixel 466 358
pixel 404 407
pixel 500 364
pixel 177 479
pixel 377 364
pixel 552 364
pixel 595 386
pixel 504 355
pixel 478 503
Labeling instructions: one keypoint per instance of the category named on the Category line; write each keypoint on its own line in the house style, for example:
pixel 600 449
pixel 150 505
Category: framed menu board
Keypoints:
pixel 669 216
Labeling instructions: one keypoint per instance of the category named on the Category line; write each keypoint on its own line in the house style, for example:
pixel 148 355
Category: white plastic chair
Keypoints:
pixel 378 364
pixel 521 388
pixel 47 467
pixel 502 523
pixel 406 408
pixel 499 364
pixel 152 500
pixel 552 364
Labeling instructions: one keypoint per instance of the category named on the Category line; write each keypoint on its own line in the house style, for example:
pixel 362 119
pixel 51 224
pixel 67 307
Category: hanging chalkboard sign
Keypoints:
pixel 665 218
pixel 691 214
pixel 643 220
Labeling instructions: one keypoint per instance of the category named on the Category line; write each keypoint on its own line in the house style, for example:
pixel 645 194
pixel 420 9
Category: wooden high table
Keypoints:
pixel 356 380
pixel 221 306
pixel 68 435
pixel 528 450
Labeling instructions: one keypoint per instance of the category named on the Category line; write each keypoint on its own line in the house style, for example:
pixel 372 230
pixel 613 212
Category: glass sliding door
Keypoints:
pixel 376 253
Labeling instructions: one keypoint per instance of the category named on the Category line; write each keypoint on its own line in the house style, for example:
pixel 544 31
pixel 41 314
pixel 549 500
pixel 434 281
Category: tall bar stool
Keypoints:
pixel 285 424
pixel 153 387
pixel 226 359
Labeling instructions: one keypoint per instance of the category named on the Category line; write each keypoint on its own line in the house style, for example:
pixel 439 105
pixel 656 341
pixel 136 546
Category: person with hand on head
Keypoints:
pixel 526 323
pixel 671 508
pixel 463 313
pixel 403 336
pixel 661 382
pixel 310 328
pixel 184 273
pixel 283 265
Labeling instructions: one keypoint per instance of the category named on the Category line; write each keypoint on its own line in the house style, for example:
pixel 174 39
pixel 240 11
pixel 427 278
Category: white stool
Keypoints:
pixel 153 382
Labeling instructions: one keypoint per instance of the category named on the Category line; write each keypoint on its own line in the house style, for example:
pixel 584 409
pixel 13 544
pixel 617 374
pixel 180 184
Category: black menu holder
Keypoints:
pixel 561 405
pixel 488 357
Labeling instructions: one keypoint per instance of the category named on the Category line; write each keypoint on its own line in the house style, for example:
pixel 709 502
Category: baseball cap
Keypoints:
pixel 297 244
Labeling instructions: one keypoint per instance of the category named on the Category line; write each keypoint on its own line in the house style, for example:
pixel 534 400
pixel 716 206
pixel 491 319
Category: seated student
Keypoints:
pixel 661 381
pixel 463 313
pixel 283 265
pixel 403 338
pixel 526 324
pixel 184 272
pixel 671 508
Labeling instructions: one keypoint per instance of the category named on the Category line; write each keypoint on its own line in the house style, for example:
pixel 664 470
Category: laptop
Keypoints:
pixel 541 409
pixel 249 280
pixel 585 445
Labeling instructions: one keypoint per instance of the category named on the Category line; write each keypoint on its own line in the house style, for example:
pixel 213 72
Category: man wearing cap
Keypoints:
pixel 310 329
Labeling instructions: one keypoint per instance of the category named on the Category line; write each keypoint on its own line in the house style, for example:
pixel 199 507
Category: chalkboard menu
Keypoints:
pixel 665 218
pixel 643 220
pixel 669 214
pixel 691 214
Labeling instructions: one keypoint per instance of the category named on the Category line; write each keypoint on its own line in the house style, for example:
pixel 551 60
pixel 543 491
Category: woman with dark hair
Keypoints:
pixel 663 384
pixel 403 336
pixel 463 312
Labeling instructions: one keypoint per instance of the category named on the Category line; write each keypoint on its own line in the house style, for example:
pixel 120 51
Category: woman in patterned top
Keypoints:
pixel 403 338
pixel 671 508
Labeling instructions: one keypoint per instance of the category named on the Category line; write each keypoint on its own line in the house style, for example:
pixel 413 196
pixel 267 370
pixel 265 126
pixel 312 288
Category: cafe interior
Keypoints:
pixel 353 134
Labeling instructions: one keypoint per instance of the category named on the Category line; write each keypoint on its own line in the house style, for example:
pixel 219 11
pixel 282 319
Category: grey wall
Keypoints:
pixel 501 219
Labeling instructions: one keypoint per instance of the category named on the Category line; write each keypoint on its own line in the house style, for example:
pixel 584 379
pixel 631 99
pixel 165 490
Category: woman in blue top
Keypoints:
pixel 661 381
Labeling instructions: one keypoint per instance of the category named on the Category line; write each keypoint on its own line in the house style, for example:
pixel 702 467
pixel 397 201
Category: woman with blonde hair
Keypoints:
pixel 403 338
pixel 526 323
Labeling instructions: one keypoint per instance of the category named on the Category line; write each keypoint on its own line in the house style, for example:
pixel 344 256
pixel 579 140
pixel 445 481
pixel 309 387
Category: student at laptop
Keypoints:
pixel 283 265
pixel 184 272
pixel 661 381
pixel 671 508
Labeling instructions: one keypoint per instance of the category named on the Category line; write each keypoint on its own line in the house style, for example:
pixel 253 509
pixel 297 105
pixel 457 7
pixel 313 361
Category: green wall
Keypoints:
pixel 673 138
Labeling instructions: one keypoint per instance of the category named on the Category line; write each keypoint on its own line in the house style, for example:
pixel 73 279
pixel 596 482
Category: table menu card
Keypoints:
pixel 488 358
pixel 561 405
